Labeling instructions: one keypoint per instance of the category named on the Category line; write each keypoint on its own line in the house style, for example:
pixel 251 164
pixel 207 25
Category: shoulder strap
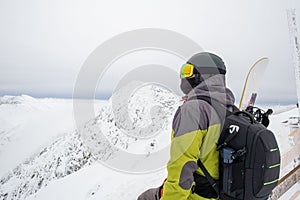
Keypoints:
pixel 223 112
pixel 210 179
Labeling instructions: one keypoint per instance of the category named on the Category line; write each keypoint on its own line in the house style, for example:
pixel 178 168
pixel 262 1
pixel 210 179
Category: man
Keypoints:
pixel 196 130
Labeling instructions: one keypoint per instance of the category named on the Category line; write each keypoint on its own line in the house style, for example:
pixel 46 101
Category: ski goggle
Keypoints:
pixel 186 70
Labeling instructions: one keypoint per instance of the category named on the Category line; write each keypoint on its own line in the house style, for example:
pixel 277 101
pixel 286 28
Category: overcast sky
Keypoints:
pixel 44 43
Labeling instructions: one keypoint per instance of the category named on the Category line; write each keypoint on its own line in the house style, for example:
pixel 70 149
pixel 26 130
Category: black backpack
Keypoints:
pixel 249 161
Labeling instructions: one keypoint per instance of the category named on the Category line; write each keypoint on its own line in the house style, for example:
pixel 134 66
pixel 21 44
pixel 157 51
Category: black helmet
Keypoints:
pixel 207 63
pixel 204 65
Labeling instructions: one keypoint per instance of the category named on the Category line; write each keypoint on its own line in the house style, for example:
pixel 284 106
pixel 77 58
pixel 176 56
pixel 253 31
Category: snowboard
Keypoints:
pixel 252 83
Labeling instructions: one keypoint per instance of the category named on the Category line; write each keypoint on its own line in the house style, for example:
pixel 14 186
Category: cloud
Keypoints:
pixel 44 44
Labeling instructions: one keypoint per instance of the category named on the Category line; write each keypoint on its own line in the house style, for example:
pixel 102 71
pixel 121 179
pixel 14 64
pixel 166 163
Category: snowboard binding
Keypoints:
pixel 260 115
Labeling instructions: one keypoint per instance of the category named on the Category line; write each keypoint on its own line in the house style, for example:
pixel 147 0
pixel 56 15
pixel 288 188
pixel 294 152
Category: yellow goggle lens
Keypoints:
pixel 186 70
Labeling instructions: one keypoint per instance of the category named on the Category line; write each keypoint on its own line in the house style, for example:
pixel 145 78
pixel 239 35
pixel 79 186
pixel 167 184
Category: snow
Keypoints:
pixel 43 146
pixel 33 125
pixel 99 182
pixel 44 156
pixel 293 193
pixel 281 131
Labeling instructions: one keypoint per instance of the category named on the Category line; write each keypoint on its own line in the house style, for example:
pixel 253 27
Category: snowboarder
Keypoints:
pixel 196 130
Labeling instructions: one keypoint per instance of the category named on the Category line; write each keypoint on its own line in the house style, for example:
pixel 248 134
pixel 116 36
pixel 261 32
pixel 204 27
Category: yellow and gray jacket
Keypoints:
pixel 196 130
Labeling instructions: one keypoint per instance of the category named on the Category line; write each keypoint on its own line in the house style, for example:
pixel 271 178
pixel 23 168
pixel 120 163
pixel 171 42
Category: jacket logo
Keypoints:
pixel 233 128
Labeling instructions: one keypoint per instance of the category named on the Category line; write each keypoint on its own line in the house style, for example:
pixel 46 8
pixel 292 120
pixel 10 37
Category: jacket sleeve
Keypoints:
pixel 185 144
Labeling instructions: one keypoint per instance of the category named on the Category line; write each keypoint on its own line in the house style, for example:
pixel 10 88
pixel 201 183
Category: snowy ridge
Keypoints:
pixel 80 148
pixel 26 101
pixel 60 159
pixel 19 110
pixel 133 121
pixel 17 99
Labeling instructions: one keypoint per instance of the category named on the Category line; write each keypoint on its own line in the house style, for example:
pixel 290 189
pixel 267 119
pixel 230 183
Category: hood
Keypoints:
pixel 215 88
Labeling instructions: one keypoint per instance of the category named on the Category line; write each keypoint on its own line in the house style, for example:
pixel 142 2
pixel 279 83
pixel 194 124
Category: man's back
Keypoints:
pixel 196 130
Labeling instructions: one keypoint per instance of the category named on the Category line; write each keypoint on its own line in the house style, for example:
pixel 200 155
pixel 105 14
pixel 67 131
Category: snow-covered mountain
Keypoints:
pixel 44 156
pixel 99 140
pixel 23 99
pixel 63 157
pixel 136 122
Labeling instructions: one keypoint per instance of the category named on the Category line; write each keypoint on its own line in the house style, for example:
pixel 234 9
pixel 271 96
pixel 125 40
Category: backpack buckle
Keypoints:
pixel 239 153
pixel 193 189
pixel 221 146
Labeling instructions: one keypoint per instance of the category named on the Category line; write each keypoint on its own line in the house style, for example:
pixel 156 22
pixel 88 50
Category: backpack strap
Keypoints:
pixel 223 112
pixel 210 179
